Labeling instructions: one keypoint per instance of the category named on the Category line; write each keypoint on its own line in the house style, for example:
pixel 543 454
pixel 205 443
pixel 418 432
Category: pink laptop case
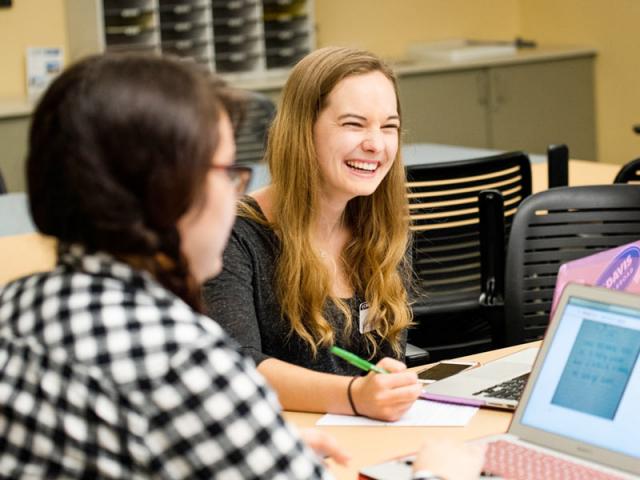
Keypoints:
pixel 617 268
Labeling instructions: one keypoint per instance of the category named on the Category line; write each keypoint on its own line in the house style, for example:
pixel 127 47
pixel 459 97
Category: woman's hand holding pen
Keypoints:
pixel 386 396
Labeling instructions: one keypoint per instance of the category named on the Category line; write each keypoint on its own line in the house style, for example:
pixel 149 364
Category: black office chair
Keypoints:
pixel 446 254
pixel 251 135
pixel 629 173
pixel 554 227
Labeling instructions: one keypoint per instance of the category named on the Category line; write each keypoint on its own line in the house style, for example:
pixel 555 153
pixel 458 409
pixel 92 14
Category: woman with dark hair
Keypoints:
pixel 107 368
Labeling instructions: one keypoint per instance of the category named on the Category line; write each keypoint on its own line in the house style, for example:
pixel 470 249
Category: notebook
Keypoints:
pixel 579 416
pixel 497 384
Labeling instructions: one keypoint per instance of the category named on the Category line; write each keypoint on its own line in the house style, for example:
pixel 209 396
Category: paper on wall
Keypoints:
pixel 43 65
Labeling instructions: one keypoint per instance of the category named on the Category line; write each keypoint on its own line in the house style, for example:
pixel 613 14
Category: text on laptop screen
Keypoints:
pixel 588 388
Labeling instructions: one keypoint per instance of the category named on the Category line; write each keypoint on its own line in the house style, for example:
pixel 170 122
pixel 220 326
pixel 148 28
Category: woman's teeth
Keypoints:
pixel 366 166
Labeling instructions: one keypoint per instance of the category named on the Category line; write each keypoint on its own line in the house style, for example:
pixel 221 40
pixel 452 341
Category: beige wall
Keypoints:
pixel 29 23
pixel 387 27
pixel 612 28
pixel 609 26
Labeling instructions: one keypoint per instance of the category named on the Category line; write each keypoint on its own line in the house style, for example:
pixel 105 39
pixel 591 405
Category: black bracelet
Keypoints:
pixel 353 405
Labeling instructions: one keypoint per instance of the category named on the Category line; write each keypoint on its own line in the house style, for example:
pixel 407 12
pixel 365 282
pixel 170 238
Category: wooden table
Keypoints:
pixel 581 172
pixel 369 445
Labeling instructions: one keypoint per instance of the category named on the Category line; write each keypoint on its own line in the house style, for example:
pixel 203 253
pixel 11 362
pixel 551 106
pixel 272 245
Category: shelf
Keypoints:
pixel 236 38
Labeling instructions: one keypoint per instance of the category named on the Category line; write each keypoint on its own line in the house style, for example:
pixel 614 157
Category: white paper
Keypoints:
pixel 423 413
pixel 43 65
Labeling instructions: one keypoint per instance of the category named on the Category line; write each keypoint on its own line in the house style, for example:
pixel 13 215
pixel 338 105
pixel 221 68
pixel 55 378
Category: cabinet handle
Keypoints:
pixel 482 85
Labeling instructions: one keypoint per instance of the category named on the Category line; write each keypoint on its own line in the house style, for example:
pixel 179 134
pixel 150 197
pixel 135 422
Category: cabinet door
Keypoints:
pixel 537 104
pixel 445 107
pixel 13 138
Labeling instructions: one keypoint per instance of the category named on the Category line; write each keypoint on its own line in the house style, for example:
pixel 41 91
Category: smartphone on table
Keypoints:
pixel 444 369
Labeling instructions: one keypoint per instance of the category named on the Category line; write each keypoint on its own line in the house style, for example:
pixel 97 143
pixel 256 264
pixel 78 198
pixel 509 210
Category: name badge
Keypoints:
pixel 364 325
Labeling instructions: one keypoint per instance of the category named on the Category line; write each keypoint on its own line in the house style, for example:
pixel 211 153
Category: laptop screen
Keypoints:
pixel 588 388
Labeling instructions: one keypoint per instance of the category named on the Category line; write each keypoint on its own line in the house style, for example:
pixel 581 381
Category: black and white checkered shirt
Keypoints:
pixel 106 374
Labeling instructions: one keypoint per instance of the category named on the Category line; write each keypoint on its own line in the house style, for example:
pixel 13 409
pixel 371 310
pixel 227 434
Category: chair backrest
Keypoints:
pixel 443 202
pixel 629 173
pixel 252 135
pixel 554 227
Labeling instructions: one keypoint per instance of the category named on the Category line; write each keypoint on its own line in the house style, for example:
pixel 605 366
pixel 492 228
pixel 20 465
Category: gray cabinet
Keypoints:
pixel 445 107
pixel 523 106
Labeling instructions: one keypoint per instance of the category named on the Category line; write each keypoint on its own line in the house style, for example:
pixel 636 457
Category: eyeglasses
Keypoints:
pixel 239 175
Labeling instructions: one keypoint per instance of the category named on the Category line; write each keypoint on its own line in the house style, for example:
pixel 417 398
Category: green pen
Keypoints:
pixel 355 360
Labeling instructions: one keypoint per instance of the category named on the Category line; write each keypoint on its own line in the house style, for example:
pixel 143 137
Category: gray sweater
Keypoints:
pixel 242 300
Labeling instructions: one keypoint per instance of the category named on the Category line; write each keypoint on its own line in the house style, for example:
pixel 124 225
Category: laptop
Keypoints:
pixel 579 416
pixel 497 384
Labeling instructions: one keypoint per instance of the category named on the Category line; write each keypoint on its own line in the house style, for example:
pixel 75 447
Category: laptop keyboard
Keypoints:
pixel 513 461
pixel 509 390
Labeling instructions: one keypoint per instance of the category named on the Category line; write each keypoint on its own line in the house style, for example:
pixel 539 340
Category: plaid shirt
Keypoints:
pixel 104 373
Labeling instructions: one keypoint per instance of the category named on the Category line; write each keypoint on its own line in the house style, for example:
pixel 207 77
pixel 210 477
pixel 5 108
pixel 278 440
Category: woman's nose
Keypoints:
pixel 373 141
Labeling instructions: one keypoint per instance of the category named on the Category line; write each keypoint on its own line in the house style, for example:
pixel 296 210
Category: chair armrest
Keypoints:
pixel 492 250
pixel 492 263
pixel 558 165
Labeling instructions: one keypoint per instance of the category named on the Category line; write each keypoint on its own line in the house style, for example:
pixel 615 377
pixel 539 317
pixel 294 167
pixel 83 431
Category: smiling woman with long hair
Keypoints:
pixel 318 257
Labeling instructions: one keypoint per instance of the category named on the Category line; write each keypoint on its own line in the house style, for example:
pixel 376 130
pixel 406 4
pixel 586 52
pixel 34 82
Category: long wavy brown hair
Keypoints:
pixel 374 260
